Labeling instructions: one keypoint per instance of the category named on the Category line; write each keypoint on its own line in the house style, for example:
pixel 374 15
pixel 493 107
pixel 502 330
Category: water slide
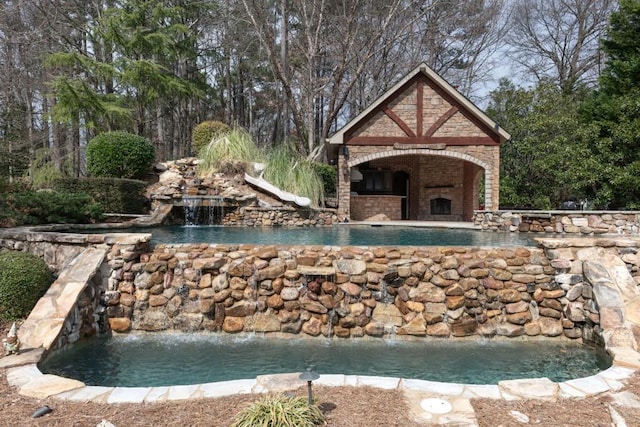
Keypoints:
pixel 275 191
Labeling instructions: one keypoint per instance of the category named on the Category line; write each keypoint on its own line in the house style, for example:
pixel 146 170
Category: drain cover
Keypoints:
pixel 436 406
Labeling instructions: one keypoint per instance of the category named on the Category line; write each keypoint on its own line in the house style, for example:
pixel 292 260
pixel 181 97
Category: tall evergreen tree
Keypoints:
pixel 615 109
pixel 622 49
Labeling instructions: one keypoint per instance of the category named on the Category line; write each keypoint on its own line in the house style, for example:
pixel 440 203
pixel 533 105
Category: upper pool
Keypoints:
pixel 341 235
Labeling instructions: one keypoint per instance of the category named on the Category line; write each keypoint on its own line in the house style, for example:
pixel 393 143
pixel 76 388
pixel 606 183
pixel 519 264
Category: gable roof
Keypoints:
pixel 500 134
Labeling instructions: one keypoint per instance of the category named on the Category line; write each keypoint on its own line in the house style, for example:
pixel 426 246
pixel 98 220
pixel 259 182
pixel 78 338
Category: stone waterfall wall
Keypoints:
pixel 353 292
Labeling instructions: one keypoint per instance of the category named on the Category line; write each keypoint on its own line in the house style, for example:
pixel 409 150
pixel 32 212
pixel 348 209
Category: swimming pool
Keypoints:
pixel 175 359
pixel 341 235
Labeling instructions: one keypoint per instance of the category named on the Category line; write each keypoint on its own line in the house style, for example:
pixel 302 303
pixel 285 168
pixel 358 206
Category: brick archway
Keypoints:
pixel 488 179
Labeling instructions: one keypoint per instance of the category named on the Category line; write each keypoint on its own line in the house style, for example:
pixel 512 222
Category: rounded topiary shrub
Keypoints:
pixel 204 132
pixel 24 278
pixel 119 155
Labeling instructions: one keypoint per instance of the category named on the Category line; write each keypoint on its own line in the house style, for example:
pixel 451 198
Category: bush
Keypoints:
pixel 24 279
pixel 233 147
pixel 113 194
pixel 204 132
pixel 280 411
pixel 43 170
pixel 119 155
pixel 329 176
pixel 47 207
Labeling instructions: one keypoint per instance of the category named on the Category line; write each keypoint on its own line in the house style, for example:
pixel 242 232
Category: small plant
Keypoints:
pixel 205 132
pixel 232 147
pixel 280 411
pixel 119 155
pixel 24 278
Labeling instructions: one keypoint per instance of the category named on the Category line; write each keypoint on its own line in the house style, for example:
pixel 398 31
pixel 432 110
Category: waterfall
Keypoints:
pixel 202 210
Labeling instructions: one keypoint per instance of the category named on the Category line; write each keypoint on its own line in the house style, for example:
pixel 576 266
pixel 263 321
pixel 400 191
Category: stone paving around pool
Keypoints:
pixel 615 291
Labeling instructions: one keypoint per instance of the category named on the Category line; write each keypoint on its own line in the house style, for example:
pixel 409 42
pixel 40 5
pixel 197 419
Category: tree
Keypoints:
pixel 559 39
pixel 622 48
pixel 140 63
pixel 459 39
pixel 548 160
pixel 615 109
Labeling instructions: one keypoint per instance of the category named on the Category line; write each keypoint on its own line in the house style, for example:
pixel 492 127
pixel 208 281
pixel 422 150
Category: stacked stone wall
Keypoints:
pixel 284 216
pixel 571 222
pixel 339 291
pixel 355 292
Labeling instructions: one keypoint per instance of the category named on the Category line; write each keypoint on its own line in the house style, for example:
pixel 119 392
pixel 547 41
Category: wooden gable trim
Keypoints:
pixel 446 140
pixel 397 120
pixel 491 133
pixel 419 80
pixel 441 120
pixel 348 135
pixel 419 106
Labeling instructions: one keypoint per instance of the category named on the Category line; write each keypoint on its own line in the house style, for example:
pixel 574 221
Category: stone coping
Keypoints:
pixel 62 235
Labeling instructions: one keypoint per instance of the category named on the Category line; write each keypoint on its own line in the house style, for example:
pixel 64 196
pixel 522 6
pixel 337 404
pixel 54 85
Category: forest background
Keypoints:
pixel 294 71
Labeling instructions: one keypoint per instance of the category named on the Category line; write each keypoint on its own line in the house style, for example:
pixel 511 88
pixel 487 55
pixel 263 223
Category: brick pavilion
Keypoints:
pixel 420 152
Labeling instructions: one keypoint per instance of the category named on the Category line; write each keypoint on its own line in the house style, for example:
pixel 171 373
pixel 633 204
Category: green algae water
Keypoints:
pixel 173 359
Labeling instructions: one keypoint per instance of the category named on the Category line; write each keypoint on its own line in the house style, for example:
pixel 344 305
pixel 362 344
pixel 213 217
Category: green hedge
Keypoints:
pixel 47 207
pixel 24 279
pixel 113 194
pixel 119 155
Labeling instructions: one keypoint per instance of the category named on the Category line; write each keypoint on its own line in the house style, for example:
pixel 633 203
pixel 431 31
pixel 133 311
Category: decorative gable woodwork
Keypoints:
pixel 420 113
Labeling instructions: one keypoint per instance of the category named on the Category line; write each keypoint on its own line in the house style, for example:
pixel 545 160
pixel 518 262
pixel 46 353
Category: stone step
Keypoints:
pixel 42 327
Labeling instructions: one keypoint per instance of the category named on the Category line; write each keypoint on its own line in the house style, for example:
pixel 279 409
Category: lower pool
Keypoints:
pixel 162 359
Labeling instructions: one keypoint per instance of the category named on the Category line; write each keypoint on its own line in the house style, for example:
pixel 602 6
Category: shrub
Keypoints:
pixel 204 132
pixel 43 170
pixel 46 207
pixel 329 176
pixel 232 147
pixel 24 278
pixel 280 411
pixel 119 155
pixel 113 194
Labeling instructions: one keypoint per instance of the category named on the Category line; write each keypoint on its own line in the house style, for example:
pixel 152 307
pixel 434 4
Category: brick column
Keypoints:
pixel 344 188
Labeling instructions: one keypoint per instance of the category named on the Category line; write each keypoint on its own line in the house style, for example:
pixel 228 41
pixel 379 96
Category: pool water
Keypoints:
pixel 341 235
pixel 163 359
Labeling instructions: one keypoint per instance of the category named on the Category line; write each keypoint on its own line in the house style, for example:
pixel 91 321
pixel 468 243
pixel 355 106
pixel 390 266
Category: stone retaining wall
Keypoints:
pixel 572 222
pixel 252 216
pixel 353 292
pixel 284 216
pixel 344 291
pixel 58 249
